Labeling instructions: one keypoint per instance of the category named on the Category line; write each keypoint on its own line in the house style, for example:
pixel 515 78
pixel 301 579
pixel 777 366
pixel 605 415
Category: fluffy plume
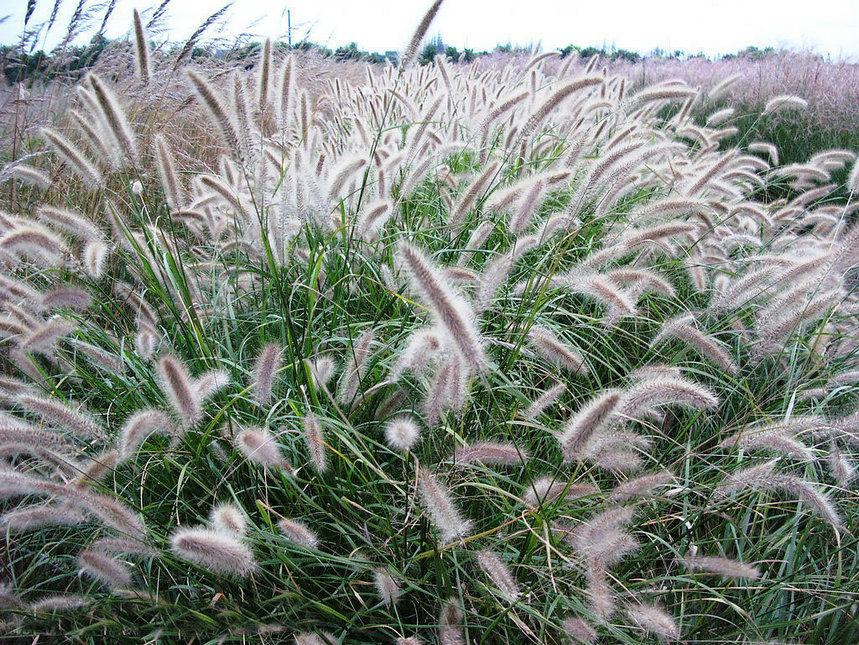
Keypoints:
pixel 215 107
pixel 43 338
pixel 93 257
pixel 307 638
pixel 143 66
pixel 298 533
pixel 29 175
pixel 590 419
pixel 472 193
pixel 55 412
pixel 387 589
pixel 69 222
pixel 784 102
pixel 209 384
pixel 167 173
pixel 52 604
pixel 491 453
pixel 544 401
pixel 448 308
pixel 684 329
pixel 555 99
pixel 260 448
pixel 402 433
pixel 265 367
pixel 602 538
pixel 602 600
pixel 446 391
pixel 640 486
pixel 104 568
pixel 114 117
pixel 112 513
pixel 124 546
pixel 412 48
pixel 617 302
pixel 643 395
pixel 100 358
pixel 548 489
pixel 78 162
pixel 177 385
pixel 450 524
pixel 229 519
pixel 499 574
pixel 843 471
pixel 315 443
pixel 321 370
pixel 139 426
pixel 30 517
pixel 579 630
pixel 450 624
pixel 355 367
pixel 554 350
pixel 35 242
pixel 655 620
pixel 763 477
pixel 218 552
pixel 721 567
pixel 775 438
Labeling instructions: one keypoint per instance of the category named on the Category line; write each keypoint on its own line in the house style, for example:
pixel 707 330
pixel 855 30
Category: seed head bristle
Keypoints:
pixel 85 169
pixel 298 533
pixel 229 519
pixel 387 588
pixel 499 574
pixel 402 433
pixel 544 401
pixel 139 426
pixel 143 64
pixel 104 568
pixel 450 620
pixel 315 440
pixel 654 619
pixel 579 630
pixel 114 117
pixel 265 368
pixel 640 486
pixel 491 453
pixel 260 448
pixel 218 552
pixel 450 524
pixel 721 566
pixel 447 307
pixel 589 420
pixel 177 385
pixel 556 351
pixel 421 30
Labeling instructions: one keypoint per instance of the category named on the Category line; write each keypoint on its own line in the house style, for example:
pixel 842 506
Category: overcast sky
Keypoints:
pixel 829 27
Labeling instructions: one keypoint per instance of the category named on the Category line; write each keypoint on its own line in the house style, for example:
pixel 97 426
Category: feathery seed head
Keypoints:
pixel 450 310
pixel 216 551
pixel 387 588
pixel 229 519
pixel 499 574
pixel 450 524
pixel 265 368
pixel 402 433
pixel 176 383
pixel 104 568
pixel 298 533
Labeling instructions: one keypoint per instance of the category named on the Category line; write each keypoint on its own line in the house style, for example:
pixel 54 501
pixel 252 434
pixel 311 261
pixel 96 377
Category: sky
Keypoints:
pixel 714 27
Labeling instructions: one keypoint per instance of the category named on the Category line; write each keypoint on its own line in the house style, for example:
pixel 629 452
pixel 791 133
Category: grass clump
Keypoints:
pixel 538 366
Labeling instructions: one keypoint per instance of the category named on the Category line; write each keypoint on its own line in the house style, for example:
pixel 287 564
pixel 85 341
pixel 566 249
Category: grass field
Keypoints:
pixel 515 351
